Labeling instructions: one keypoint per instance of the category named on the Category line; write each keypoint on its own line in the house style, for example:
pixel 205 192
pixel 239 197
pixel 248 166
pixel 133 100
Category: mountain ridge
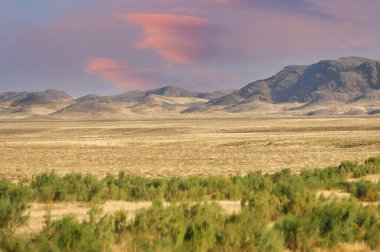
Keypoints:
pixel 345 86
pixel 345 80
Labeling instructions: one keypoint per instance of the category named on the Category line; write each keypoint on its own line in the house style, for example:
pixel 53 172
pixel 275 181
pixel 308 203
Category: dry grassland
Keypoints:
pixel 180 147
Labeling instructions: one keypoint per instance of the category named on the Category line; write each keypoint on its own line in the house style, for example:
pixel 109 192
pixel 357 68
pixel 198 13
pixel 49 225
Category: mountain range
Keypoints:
pixel 346 86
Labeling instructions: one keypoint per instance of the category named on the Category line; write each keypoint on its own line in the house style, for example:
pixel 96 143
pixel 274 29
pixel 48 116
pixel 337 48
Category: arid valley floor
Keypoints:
pixel 184 147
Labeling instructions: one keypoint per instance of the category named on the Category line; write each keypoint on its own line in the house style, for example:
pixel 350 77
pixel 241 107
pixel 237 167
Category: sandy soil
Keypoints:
pixel 332 194
pixel 372 178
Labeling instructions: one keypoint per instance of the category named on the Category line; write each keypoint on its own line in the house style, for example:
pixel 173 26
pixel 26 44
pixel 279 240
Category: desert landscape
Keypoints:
pixel 185 147
pixel 80 174
pixel 189 126
pixel 293 158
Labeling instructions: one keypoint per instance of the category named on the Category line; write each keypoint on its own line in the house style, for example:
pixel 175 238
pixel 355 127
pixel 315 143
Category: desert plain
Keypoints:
pixel 185 146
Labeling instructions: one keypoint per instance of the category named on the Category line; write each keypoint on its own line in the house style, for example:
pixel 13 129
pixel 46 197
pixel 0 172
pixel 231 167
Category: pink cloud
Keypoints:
pixel 177 38
pixel 114 72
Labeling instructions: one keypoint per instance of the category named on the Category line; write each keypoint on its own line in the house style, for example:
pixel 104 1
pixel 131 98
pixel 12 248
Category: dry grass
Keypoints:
pixel 374 178
pixel 332 194
pixel 347 247
pixel 180 147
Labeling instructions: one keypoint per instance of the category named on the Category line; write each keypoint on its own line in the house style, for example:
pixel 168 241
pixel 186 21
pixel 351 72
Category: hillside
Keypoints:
pixel 23 104
pixel 165 101
pixel 352 82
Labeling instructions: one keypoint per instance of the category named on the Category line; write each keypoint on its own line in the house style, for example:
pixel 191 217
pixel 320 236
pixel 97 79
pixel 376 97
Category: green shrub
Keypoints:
pixel 365 190
pixel 331 224
pixel 264 205
pixel 10 242
pixel 247 232
pixel 14 201
pixel 292 228
pixel 303 222
pixel 68 234
pixel 200 227
pixel 120 224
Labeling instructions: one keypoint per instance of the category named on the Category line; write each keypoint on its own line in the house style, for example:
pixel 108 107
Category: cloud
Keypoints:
pixel 252 38
pixel 177 38
pixel 116 73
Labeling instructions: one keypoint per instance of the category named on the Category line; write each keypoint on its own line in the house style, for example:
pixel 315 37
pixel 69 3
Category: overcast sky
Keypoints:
pixel 111 46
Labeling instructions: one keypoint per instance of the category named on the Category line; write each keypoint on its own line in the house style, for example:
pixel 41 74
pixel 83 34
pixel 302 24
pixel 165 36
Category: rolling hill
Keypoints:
pixel 24 104
pixel 165 101
pixel 346 86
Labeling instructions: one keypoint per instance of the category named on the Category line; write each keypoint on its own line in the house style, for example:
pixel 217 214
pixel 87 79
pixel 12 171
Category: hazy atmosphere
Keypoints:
pixel 108 47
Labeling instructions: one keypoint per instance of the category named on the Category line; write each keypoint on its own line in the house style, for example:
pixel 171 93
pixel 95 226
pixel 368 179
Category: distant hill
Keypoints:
pixel 168 91
pixel 165 101
pixel 346 86
pixel 172 91
pixel 43 97
pixel 116 107
pixel 24 104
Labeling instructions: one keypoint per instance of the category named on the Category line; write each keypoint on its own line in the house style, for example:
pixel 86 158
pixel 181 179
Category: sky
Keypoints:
pixel 112 46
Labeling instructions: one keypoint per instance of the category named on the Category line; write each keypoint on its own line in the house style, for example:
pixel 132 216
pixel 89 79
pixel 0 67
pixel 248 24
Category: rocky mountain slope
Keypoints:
pixel 346 82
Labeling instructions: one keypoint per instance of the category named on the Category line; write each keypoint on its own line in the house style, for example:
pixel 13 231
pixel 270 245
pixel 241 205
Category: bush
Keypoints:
pixel 247 232
pixel 331 224
pixel 303 222
pixel 14 201
pixel 68 234
pixel 12 242
pixel 365 190
pixel 285 185
pixel 264 205
pixel 200 227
